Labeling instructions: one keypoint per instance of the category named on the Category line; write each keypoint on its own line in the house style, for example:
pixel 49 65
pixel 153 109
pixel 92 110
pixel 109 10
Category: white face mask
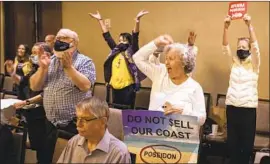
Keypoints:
pixel 34 59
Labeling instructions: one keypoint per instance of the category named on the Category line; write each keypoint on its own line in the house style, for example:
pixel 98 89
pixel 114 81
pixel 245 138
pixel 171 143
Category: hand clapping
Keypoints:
pixel 9 66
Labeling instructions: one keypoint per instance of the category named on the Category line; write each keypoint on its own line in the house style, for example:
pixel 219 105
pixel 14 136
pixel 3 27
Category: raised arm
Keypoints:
pixel 135 32
pixel 137 20
pixel 226 50
pixel 227 23
pixel 141 57
pixel 191 42
pixel 255 52
pixel 98 17
pixel 82 77
pixel 37 79
pixel 106 34
pixel 11 70
pixel 155 58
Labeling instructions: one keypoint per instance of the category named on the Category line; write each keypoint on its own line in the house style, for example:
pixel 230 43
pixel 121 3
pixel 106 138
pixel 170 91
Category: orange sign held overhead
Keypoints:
pixel 237 9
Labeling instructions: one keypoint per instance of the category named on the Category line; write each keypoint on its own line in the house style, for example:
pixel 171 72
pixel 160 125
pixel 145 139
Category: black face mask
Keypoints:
pixel 242 54
pixel 123 46
pixel 61 46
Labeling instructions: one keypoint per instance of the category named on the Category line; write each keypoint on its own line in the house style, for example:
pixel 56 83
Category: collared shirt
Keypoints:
pixel 108 150
pixel 60 94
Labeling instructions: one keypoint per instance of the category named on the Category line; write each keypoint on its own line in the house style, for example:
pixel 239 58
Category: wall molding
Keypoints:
pixel 2 50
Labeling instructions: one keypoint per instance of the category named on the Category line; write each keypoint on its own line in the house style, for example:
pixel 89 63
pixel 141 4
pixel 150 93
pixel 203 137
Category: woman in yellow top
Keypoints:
pixel 120 72
pixel 20 68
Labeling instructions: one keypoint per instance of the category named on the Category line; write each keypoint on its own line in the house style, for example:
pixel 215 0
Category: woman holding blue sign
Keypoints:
pixel 173 91
pixel 242 95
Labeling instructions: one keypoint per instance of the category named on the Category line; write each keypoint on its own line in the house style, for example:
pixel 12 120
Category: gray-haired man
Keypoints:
pixel 65 78
pixel 94 143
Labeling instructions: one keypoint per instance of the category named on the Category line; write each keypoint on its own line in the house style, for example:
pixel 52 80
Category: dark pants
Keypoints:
pixel 22 92
pixel 7 153
pixel 241 127
pixel 43 134
pixel 125 96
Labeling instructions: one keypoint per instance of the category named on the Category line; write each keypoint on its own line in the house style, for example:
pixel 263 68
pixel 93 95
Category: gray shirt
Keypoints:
pixel 108 150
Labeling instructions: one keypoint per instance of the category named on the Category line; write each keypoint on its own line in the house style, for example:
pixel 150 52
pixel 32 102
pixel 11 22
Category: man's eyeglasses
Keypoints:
pixel 83 120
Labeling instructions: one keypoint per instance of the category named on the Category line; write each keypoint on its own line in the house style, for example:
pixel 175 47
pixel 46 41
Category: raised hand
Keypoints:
pixel 141 14
pixel 227 21
pixel 96 16
pixel 191 38
pixel 163 40
pixel 9 66
pixel 247 19
pixel 66 60
pixel 44 60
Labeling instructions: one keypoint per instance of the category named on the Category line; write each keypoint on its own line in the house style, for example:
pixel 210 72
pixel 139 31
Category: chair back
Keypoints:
pixel 207 98
pixel 142 98
pixel 7 90
pixel 8 84
pixel 221 98
pixel 2 79
pixel 100 91
pixel 262 122
pixel 115 124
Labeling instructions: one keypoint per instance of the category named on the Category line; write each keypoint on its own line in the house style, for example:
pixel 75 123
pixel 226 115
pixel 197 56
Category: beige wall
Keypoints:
pixel 1 37
pixel 175 18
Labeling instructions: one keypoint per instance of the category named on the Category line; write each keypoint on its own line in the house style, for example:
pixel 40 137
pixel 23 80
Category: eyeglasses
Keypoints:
pixel 83 120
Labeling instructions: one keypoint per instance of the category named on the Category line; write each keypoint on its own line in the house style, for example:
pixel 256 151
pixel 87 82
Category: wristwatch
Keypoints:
pixel 27 102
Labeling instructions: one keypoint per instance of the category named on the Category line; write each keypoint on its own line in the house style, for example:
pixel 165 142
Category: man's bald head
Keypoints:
pixel 50 39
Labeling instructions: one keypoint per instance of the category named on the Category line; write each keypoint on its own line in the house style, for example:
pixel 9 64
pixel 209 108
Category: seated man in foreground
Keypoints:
pixel 94 143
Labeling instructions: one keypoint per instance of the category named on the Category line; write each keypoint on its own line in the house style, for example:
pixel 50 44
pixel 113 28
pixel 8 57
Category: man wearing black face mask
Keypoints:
pixel 66 77
pixel 120 72
pixel 242 96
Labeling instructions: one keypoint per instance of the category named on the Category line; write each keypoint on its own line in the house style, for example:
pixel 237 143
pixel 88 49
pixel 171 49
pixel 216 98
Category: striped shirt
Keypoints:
pixel 60 94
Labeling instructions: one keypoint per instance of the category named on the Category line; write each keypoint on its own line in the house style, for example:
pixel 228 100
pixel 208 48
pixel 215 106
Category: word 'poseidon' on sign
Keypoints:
pixel 160 155
pixel 165 153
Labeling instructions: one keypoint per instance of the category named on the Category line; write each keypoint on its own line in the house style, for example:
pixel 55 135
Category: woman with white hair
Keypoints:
pixel 173 91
